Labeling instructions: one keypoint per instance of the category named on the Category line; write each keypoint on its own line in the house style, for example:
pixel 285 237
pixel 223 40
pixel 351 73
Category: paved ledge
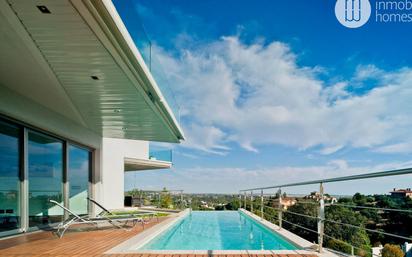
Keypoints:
pixel 302 243
pixel 291 237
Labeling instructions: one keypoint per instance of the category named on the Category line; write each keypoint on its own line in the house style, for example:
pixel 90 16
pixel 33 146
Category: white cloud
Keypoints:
pixel 257 94
pixel 396 148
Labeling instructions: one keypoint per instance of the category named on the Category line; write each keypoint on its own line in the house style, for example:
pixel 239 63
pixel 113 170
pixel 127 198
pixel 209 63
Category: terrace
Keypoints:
pixel 255 208
pixel 133 102
pixel 91 243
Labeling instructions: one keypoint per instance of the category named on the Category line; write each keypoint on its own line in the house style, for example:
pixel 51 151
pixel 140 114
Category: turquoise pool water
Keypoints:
pixel 218 230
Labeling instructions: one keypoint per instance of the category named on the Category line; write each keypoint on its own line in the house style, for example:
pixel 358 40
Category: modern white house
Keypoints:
pixel 78 106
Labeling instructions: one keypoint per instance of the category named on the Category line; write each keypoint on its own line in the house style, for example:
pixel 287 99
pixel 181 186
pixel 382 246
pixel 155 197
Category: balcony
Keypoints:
pixel 161 155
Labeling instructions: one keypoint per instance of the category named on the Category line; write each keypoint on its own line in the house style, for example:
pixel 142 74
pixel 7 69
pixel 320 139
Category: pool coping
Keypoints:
pixel 146 235
pixel 142 238
pixel 289 236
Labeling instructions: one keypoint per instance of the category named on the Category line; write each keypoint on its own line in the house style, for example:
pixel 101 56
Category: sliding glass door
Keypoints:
pixel 78 179
pixel 9 178
pixel 45 178
pixel 35 168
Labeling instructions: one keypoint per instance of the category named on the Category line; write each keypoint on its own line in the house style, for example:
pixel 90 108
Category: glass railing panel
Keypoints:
pixel 161 155
pixel 134 25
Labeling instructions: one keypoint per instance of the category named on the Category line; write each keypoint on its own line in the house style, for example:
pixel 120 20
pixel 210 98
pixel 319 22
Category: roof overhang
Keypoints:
pixel 81 56
pixel 133 164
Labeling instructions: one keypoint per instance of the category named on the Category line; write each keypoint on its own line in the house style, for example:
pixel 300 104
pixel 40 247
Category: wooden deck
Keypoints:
pixel 82 244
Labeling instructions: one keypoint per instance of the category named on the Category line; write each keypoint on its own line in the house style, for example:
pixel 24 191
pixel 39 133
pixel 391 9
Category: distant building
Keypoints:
pixel 287 202
pixel 377 251
pixel 316 196
pixel 401 193
pixel 407 248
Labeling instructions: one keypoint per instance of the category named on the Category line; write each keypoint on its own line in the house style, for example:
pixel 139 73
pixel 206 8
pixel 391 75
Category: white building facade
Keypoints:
pixel 78 107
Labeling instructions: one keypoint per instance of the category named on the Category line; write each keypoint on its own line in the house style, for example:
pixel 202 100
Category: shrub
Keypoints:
pixel 390 250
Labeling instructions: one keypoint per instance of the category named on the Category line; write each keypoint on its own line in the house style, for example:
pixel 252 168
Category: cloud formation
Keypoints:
pixel 257 94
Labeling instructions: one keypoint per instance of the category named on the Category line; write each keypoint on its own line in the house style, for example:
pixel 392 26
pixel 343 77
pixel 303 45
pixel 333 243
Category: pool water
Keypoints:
pixel 218 230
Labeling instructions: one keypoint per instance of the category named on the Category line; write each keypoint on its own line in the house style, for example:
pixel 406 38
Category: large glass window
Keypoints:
pixel 78 178
pixel 9 177
pixel 45 175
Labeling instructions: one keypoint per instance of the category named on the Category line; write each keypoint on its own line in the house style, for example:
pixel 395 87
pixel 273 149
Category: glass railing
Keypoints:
pixel 134 25
pixel 161 155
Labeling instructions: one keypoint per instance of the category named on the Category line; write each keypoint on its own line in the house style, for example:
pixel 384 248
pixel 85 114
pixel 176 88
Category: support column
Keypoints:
pixel 66 185
pixel 240 200
pixel 24 184
pixel 321 218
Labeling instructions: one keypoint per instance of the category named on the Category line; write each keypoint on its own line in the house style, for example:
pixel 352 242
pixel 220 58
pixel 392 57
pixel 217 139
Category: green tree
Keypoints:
pixel 307 209
pixel 166 200
pixel 352 235
pixel 390 250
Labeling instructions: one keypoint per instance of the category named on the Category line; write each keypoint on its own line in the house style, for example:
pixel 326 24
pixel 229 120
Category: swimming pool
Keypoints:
pixel 218 230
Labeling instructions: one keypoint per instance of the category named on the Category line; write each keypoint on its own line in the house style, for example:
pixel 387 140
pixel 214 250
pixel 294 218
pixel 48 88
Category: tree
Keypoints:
pixel 233 205
pixel 352 235
pixel 390 250
pixel 307 209
pixel 166 199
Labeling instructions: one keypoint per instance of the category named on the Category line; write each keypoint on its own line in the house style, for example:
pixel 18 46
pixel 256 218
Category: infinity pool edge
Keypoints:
pixel 134 244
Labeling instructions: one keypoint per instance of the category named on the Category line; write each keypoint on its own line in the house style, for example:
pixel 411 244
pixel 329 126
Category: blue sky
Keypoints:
pixel 278 91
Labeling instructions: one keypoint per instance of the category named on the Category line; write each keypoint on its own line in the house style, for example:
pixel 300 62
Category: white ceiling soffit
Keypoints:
pixel 132 164
pixel 99 67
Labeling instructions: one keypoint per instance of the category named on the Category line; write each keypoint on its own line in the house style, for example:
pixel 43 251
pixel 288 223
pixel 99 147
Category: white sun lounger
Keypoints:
pixel 153 214
pixel 86 220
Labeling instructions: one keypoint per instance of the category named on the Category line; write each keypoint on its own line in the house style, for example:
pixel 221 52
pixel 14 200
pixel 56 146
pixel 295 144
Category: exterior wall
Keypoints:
pixel 114 152
pixel 109 154
pixel 22 109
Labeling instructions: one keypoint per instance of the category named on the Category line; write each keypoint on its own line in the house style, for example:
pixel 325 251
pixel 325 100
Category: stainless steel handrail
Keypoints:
pixel 396 172
pixel 370 208
pixel 320 201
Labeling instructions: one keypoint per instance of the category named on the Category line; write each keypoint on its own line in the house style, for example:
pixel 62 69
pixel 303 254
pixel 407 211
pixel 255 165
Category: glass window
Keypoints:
pixel 9 177
pixel 78 178
pixel 45 174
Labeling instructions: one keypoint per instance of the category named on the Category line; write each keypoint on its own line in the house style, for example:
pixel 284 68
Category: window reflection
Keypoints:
pixel 78 175
pixel 45 174
pixel 9 177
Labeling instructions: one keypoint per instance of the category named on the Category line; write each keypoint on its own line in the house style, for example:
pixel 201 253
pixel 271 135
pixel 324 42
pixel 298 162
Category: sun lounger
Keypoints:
pixel 106 212
pixel 86 220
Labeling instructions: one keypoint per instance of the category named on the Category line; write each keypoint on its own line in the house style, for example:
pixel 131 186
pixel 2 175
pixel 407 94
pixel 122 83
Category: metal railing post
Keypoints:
pixel 261 204
pixel 240 200
pixel 245 201
pixel 251 201
pixel 280 207
pixel 321 218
